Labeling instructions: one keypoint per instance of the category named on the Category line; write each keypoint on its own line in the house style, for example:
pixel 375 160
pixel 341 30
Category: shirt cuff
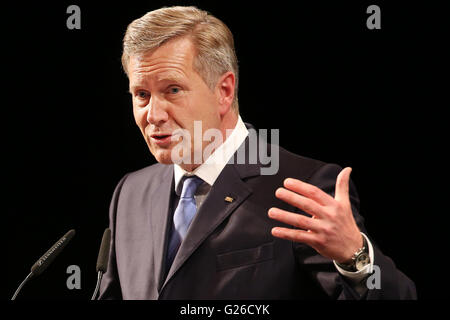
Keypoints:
pixel 360 275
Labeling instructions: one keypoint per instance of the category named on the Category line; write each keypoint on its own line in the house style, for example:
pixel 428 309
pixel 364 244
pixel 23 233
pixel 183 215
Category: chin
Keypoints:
pixel 163 158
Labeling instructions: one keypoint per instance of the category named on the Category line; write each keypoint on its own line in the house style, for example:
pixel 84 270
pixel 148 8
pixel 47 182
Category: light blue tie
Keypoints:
pixel 182 218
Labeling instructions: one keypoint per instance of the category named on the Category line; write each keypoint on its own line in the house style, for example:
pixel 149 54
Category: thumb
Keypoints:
pixel 342 183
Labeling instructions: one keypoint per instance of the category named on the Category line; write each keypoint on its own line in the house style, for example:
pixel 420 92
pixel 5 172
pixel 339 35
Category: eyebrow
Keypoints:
pixel 168 77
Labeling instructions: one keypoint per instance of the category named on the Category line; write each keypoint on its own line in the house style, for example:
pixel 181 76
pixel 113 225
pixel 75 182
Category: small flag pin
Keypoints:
pixel 229 199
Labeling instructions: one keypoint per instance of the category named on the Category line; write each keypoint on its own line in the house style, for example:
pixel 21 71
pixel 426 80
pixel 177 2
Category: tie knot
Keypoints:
pixel 190 185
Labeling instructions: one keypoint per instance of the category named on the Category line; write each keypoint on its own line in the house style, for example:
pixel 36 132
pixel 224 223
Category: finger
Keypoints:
pixel 301 202
pixel 308 190
pixel 342 185
pixel 293 235
pixel 293 219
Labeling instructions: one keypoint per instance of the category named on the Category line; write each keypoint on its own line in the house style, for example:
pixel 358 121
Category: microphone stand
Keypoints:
pixel 97 287
pixel 21 285
pixel 44 261
pixel 102 259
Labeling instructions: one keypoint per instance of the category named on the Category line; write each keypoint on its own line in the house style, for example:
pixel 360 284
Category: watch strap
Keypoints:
pixel 352 265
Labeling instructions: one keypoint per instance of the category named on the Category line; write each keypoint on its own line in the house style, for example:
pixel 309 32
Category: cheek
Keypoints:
pixel 140 117
pixel 205 109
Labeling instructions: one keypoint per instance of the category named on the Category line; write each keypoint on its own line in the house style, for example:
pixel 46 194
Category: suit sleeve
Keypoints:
pixel 110 286
pixel 394 284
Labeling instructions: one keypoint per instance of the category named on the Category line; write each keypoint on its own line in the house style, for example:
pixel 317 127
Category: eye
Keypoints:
pixel 141 94
pixel 174 90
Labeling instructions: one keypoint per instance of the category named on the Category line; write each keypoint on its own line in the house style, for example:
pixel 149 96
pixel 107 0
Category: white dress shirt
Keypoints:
pixel 213 166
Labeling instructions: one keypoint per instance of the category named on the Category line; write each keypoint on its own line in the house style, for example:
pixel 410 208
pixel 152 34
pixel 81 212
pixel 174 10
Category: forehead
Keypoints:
pixel 174 59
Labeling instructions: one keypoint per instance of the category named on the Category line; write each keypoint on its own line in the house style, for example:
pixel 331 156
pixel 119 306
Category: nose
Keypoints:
pixel 156 113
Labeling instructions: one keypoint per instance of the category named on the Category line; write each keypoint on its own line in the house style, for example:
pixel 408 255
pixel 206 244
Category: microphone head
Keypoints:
pixel 103 254
pixel 51 254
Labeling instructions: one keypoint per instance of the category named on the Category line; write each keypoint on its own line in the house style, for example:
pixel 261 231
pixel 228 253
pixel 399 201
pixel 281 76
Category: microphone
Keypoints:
pixel 44 261
pixel 102 259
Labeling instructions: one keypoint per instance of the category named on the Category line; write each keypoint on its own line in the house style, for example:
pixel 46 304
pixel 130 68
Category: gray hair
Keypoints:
pixel 211 37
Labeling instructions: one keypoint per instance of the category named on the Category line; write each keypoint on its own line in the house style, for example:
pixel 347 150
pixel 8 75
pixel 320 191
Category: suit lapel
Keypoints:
pixel 214 210
pixel 160 217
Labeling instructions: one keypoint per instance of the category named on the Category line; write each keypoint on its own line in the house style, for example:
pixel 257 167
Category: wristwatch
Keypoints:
pixel 360 259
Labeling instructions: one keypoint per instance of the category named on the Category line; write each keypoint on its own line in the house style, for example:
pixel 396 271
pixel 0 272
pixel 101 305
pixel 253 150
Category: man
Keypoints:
pixel 211 226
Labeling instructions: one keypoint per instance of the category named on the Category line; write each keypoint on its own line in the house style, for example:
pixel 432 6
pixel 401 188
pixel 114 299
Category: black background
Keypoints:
pixel 338 92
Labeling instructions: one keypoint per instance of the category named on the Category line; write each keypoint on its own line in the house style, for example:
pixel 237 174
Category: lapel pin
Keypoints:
pixel 229 199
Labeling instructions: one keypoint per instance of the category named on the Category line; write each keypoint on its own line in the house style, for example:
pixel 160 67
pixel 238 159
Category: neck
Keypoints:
pixel 229 122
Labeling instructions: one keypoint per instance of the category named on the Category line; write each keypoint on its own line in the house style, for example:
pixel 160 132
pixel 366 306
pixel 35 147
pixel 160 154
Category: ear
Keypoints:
pixel 225 92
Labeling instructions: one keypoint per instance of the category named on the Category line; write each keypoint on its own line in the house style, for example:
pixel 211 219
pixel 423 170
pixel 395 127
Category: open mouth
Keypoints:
pixel 160 136
pixel 162 139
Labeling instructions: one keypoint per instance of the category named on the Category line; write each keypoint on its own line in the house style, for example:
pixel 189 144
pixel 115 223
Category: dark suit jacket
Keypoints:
pixel 229 252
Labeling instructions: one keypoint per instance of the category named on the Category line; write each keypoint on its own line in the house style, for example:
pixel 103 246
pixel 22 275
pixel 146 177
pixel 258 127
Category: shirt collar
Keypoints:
pixel 213 166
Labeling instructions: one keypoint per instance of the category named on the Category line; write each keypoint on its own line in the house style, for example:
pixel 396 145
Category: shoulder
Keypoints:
pixel 153 171
pixel 146 177
pixel 305 168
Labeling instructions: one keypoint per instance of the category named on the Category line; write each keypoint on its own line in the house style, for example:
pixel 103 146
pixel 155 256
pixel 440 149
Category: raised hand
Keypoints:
pixel 331 230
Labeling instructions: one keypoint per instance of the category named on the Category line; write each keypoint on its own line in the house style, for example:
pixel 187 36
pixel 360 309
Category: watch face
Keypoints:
pixel 361 261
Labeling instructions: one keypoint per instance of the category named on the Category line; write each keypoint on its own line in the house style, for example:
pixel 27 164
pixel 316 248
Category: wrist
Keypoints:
pixel 358 260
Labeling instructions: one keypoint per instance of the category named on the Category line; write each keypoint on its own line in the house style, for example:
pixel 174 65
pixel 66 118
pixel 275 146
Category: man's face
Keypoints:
pixel 168 94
